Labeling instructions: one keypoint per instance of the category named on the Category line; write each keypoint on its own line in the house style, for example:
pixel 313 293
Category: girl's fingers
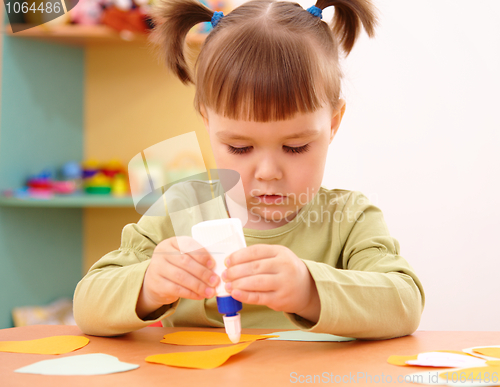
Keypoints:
pixel 180 279
pixel 251 253
pixel 252 268
pixel 189 246
pixel 182 292
pixel 255 298
pixel 186 263
pixel 256 283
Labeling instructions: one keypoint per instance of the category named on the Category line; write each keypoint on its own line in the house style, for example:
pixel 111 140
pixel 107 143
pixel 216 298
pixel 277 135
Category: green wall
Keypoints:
pixel 41 125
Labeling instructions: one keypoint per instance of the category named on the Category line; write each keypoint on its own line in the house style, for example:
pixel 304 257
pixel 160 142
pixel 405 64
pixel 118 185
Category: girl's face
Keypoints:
pixel 281 163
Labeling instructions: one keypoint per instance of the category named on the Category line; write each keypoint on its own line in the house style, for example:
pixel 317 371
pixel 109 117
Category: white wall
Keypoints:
pixel 421 138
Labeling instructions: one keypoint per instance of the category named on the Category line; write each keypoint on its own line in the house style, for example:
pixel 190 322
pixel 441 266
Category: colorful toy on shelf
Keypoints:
pixel 73 177
pixel 110 178
pixel 44 185
pixel 131 16
pixel 64 187
pixel 98 184
pixel 40 185
pixel 121 15
pixel 119 185
pixel 112 168
pixel 87 12
pixel 70 179
pixel 89 168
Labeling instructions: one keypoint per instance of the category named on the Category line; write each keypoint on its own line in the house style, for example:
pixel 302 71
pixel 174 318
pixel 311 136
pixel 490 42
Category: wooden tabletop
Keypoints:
pixel 263 363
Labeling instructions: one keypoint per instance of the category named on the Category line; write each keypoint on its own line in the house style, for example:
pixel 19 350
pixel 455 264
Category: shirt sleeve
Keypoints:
pixel 105 299
pixel 376 293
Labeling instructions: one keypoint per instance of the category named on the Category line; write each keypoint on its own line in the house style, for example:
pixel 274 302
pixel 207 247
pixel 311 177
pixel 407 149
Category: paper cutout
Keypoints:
pixel 55 345
pixel 472 351
pixel 488 351
pixel 206 338
pixel 402 360
pixel 200 359
pixel 451 377
pixel 89 364
pixel 308 336
pixel 446 359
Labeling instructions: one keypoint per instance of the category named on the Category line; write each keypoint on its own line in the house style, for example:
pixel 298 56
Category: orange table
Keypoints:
pixel 263 363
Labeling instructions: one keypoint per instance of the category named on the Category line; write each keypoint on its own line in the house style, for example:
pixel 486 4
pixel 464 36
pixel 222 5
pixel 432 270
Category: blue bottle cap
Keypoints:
pixel 228 305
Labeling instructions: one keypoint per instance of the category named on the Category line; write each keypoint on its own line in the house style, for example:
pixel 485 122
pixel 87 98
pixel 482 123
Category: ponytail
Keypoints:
pixel 346 21
pixel 266 60
pixel 173 19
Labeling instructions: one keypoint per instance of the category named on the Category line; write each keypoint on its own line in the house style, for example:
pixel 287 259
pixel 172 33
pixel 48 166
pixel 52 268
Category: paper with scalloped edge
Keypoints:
pixel 495 355
pixel 88 364
pixel 206 338
pixel 54 345
pixel 437 359
pixel 298 335
pixel 205 360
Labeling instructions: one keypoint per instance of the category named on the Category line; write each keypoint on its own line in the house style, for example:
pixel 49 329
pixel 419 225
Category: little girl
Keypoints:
pixel 267 86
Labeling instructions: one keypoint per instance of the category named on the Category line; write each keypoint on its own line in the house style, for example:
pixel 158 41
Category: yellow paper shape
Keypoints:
pixel 473 373
pixel 401 360
pixel 488 351
pixel 207 338
pixel 55 345
pixel 200 359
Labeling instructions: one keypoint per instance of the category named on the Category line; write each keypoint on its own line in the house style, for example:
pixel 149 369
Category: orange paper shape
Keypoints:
pixel 204 360
pixel 207 338
pixel 401 360
pixel 55 345
pixel 488 351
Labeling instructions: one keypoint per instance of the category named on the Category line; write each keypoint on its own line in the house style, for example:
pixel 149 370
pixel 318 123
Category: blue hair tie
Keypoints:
pixel 315 11
pixel 216 18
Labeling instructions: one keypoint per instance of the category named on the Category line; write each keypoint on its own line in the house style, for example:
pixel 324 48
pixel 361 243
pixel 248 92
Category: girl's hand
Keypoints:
pixel 172 274
pixel 274 276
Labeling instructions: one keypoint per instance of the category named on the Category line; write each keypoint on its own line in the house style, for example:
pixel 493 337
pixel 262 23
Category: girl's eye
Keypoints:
pixel 287 149
pixel 297 149
pixel 238 151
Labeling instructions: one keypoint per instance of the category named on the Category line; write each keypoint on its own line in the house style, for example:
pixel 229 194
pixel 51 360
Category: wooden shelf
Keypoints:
pixel 69 201
pixel 81 35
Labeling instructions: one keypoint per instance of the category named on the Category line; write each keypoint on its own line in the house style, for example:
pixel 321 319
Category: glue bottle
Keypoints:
pixel 220 238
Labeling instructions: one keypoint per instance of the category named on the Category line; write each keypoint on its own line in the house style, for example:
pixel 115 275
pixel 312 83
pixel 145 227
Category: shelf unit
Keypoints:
pixel 69 201
pixel 98 93
pixel 81 35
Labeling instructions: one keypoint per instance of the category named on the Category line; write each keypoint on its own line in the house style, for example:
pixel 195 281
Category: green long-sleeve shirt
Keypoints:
pixel 366 289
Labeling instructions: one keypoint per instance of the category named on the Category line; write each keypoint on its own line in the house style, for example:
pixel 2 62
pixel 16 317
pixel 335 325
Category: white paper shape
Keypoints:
pixel 432 378
pixel 471 351
pixel 89 364
pixel 307 336
pixel 446 359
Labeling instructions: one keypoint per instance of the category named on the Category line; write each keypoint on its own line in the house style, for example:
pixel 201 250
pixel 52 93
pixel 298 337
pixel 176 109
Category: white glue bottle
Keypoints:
pixel 220 238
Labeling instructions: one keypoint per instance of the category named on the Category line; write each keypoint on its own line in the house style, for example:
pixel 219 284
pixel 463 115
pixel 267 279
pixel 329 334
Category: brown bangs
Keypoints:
pixel 261 72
